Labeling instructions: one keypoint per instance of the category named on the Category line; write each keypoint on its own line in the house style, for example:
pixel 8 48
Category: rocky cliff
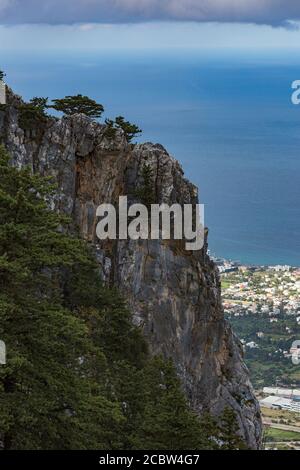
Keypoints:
pixel 174 294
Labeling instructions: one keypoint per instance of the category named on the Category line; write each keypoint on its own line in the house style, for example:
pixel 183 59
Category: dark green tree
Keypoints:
pixel 33 115
pixel 78 104
pixel 125 348
pixel 50 397
pixel 145 192
pixel 110 130
pixel 130 130
pixel 2 75
pixel 167 422
pixel 39 103
pixel 229 437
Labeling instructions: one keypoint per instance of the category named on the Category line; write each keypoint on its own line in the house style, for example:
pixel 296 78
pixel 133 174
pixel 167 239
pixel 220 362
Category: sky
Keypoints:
pixel 154 35
pixel 150 24
pixel 273 12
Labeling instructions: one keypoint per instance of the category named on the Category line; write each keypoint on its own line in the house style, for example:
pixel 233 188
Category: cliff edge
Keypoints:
pixel 175 295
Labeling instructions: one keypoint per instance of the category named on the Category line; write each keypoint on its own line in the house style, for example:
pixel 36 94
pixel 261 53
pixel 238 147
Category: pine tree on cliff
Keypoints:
pixel 228 435
pixel 145 192
pixel 33 115
pixel 78 104
pixel 130 130
pixel 167 421
pixel 127 354
pixel 49 396
pixel 40 103
pixel 2 75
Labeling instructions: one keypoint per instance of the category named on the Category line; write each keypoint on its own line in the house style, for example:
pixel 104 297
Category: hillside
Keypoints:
pixel 174 295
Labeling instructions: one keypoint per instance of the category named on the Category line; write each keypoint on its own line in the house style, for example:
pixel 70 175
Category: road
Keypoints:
pixel 283 427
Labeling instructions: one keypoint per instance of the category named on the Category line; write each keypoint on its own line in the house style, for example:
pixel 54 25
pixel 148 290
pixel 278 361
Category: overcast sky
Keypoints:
pixel 110 11
pixel 94 24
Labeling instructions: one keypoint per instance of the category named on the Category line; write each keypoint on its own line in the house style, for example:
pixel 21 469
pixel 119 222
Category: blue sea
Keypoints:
pixel 227 117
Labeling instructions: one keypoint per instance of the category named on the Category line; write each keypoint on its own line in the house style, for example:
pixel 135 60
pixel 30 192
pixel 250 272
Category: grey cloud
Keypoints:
pixel 273 12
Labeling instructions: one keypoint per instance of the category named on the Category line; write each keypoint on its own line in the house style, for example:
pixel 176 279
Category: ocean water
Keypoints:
pixel 227 117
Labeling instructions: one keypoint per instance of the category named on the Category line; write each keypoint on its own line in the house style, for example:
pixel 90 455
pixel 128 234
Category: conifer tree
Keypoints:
pixel 130 130
pixel 78 104
pixel 124 346
pixel 33 115
pixel 110 130
pixel 145 192
pixel 40 103
pixel 167 422
pixel 229 437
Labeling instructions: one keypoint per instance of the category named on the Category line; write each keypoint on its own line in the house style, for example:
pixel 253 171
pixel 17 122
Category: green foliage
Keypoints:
pixel 110 131
pixel 223 431
pixel 40 103
pixel 2 75
pixel 127 355
pixel 267 364
pixel 145 193
pixel 228 436
pixel 130 130
pixel 167 422
pixel 78 104
pixel 32 115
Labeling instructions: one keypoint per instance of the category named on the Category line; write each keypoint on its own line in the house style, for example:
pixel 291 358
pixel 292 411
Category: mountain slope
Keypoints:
pixel 174 294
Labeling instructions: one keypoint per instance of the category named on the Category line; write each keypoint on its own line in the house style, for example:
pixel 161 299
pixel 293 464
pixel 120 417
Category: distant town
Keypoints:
pixel 263 305
pixel 271 290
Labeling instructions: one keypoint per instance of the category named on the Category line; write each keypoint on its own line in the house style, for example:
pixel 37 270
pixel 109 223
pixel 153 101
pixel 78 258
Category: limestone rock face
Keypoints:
pixel 174 294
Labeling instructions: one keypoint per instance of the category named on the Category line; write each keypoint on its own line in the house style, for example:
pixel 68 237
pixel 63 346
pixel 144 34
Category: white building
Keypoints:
pixel 2 92
pixel 252 345
pixel 280 268
pixel 282 392
pixel 280 404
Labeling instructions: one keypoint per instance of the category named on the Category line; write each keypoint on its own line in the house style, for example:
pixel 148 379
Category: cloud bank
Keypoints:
pixel 271 12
